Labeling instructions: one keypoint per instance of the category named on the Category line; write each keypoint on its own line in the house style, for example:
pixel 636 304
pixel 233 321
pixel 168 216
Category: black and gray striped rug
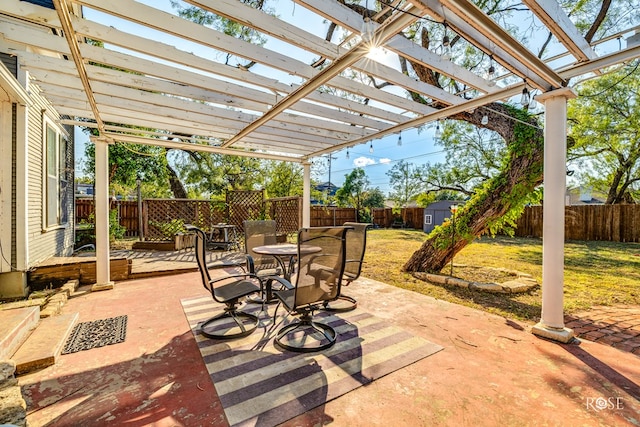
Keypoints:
pixel 261 385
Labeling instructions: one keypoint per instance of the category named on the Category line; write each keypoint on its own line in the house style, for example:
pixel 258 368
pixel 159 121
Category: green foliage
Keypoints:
pixel 116 231
pixel 605 125
pixel 282 179
pixel 169 229
pixel 405 182
pixel 355 192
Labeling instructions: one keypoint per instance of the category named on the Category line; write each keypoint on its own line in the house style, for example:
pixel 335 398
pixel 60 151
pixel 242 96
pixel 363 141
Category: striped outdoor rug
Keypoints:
pixel 261 385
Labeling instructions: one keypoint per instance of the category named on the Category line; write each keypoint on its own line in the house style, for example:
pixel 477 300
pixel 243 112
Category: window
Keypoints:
pixel 55 187
pixel 428 219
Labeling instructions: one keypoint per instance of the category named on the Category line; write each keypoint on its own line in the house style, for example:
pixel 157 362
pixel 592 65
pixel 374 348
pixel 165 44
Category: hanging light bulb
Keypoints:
pixel 533 104
pixel 491 71
pixel 371 147
pixel 446 44
pixel 438 132
pixel 367 30
pixel 347 154
pixel 525 99
pixel 485 119
pixel 399 139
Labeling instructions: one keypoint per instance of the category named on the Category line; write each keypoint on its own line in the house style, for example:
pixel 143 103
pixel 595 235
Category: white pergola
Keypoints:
pixel 159 71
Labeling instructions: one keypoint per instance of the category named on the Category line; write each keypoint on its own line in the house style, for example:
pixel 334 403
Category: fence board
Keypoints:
pixel 616 223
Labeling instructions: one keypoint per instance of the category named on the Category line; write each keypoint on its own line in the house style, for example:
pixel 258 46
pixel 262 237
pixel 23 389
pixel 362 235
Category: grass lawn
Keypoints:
pixel 596 273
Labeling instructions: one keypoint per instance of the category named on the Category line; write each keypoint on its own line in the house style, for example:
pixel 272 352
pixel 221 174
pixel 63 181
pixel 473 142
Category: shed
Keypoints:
pixel 437 212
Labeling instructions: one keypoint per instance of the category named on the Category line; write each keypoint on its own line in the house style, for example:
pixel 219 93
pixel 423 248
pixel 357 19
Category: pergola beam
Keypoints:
pixel 557 21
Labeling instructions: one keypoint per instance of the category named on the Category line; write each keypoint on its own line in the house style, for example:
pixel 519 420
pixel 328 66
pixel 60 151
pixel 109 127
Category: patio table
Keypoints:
pixel 285 254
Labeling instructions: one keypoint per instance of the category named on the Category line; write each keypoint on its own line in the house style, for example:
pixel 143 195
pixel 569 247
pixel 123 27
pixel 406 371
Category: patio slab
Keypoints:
pixel 492 370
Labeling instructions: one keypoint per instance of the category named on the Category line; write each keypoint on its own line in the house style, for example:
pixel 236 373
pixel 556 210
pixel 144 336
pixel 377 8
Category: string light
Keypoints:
pixel 485 119
pixel 525 99
pixel 399 139
pixel 446 44
pixel 347 154
pixel 438 132
pixel 371 147
pixel 491 71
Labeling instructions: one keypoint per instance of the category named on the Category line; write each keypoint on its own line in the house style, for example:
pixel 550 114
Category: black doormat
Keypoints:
pixel 98 333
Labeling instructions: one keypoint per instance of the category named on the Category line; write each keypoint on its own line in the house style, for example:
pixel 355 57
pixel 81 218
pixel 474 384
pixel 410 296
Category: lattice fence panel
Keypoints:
pixel 163 218
pixel 286 212
pixel 245 205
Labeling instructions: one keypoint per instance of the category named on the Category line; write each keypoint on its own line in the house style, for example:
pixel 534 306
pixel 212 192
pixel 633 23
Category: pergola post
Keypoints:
pixel 551 324
pixel 103 280
pixel 306 194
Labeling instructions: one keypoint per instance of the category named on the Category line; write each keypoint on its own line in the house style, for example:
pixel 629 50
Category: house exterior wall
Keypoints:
pixel 45 242
pixel 25 240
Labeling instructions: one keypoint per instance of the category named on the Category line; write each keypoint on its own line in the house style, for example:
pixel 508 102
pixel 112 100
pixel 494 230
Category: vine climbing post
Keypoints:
pixel 551 324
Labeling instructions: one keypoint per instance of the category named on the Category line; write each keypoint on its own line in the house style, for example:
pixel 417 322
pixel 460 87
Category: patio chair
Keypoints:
pixel 259 233
pixel 227 290
pixel 318 279
pixel 356 244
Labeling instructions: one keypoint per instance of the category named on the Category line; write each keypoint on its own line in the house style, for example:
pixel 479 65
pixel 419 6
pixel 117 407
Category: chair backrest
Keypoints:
pixel 356 244
pixel 258 233
pixel 319 272
pixel 201 255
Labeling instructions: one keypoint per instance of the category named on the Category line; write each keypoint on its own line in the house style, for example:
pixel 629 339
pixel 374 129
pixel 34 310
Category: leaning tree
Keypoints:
pixel 501 199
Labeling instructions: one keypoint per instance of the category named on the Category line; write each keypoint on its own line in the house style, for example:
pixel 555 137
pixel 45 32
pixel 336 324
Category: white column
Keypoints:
pixel 306 194
pixel 103 280
pixel 551 324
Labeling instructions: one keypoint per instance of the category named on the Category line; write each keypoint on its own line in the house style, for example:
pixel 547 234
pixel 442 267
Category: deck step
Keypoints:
pixel 44 345
pixel 15 326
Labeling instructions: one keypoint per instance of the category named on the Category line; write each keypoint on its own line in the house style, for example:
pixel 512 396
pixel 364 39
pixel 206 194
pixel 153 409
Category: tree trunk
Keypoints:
pixel 178 190
pixel 502 195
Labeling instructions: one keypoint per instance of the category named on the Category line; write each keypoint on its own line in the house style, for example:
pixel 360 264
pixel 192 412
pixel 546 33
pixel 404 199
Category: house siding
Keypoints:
pixel 56 241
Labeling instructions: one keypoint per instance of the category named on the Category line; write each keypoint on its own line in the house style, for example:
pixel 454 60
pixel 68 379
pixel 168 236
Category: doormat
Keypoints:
pixel 261 385
pixel 98 333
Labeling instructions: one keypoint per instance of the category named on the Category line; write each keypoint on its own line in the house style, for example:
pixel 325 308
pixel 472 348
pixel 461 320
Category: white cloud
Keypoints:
pixel 385 161
pixel 361 162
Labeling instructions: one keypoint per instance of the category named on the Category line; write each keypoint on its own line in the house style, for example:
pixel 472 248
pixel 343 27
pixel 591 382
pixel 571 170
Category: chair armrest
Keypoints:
pixel 251 267
pixel 236 276
pixel 284 282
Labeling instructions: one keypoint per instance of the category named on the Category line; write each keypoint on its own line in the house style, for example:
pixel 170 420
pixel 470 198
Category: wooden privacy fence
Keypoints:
pixel 328 216
pixel 616 223
pixel 410 217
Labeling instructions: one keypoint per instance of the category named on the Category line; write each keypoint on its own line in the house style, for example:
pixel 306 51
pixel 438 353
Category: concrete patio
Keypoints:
pixel 492 370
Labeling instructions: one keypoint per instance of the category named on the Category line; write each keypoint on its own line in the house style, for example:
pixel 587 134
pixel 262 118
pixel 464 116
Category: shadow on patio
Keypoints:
pixel 491 372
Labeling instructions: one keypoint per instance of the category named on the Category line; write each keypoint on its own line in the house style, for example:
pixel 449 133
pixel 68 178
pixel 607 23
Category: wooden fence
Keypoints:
pixel 616 223
pixel 410 217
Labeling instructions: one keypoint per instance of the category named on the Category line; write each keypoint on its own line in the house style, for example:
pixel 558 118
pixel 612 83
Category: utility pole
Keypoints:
pixel 329 158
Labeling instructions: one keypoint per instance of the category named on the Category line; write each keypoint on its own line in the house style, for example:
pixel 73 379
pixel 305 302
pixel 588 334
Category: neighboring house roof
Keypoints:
pixel 327 187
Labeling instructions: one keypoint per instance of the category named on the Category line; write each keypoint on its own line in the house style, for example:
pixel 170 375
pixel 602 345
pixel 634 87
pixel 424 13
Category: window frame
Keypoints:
pixel 54 200
pixel 428 219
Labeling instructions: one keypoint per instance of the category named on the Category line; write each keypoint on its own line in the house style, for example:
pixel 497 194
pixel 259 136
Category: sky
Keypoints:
pixel 415 148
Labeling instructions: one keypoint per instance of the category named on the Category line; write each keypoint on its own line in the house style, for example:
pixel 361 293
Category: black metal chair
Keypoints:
pixel 259 233
pixel 356 244
pixel 228 290
pixel 320 268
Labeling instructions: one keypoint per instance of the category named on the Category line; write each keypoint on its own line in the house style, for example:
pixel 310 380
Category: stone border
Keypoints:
pixel 522 283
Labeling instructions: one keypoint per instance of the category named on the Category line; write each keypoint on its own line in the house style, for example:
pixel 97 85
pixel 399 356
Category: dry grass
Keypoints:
pixel 596 273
